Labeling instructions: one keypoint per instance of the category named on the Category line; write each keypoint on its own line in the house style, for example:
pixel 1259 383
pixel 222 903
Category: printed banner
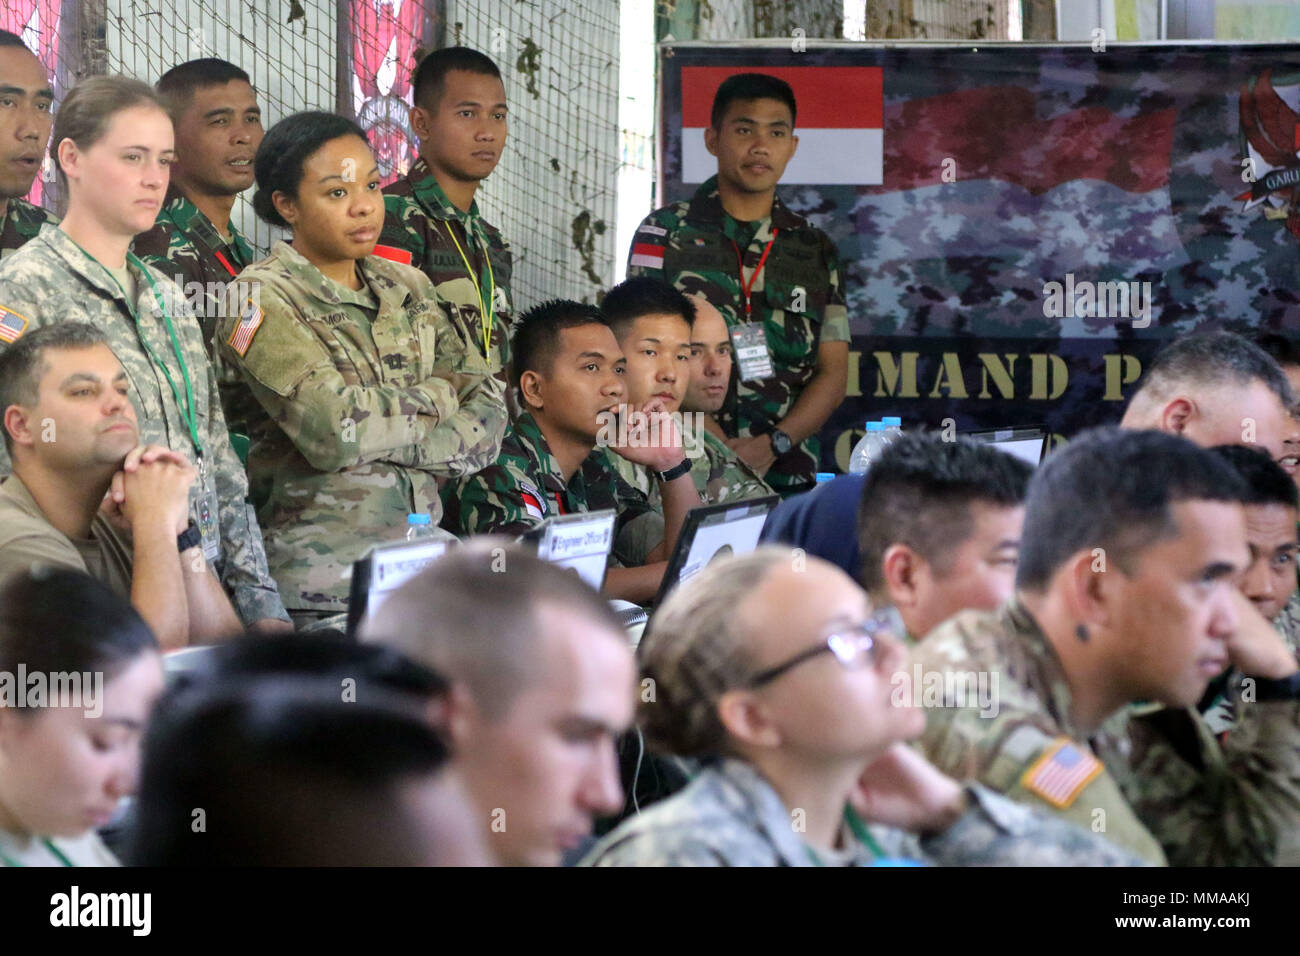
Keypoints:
pixel 1022 226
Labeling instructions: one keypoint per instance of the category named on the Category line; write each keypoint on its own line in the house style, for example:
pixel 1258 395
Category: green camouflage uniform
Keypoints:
pixel 51 280
pixel 719 475
pixel 798 298
pixel 1288 623
pixel 731 816
pixel 364 399
pixel 21 222
pixel 526 485
pixel 1157 781
pixel 417 221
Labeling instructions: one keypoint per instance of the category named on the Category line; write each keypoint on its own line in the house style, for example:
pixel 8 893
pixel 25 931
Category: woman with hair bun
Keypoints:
pixel 363 388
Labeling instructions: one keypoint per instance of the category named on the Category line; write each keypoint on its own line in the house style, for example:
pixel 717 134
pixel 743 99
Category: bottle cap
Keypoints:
pixel 892 420
pixel 418 519
pixel 875 426
pixel 825 476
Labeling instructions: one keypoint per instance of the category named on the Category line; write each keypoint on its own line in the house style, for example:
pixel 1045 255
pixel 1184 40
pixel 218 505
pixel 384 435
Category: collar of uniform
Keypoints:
pixel 425 188
pixel 530 435
pixel 26 217
pixel 181 212
pixel 757 802
pixel 386 280
pixel 706 206
pixel 71 253
pixel 318 284
pixel 1030 635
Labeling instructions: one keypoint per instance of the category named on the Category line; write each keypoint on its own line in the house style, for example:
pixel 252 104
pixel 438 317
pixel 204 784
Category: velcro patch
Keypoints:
pixel 393 254
pixel 249 323
pixel 12 325
pixel 1061 773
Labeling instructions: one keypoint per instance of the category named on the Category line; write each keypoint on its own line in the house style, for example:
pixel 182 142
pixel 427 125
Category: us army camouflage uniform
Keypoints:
pixel 798 298
pixel 1288 623
pixel 50 280
pixel 526 485
pixel 718 474
pixel 21 222
pixel 1220 713
pixel 1164 787
pixel 730 816
pixel 418 223
pixel 364 399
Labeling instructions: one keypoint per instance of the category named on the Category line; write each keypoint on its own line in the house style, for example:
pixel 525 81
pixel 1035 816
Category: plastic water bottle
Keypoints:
pixel 893 426
pixel 867 449
pixel 418 527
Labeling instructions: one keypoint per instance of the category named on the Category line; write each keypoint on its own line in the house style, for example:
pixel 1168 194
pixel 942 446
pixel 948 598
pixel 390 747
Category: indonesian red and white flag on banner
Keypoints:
pixel 839 122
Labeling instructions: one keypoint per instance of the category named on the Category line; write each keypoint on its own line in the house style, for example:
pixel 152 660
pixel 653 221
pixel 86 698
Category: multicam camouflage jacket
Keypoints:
pixel 51 280
pixel 731 816
pixel 798 298
pixel 423 228
pixel 719 475
pixel 363 401
pixel 526 485
pixel 21 223
pixel 1154 781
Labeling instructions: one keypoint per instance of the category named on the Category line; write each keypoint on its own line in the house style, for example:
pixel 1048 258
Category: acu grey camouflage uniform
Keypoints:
pixel 731 816
pixel 51 280
pixel 364 400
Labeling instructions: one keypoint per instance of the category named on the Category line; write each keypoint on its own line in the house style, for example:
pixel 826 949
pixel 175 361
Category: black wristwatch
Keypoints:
pixel 191 537
pixel 676 471
pixel 1285 688
pixel 781 442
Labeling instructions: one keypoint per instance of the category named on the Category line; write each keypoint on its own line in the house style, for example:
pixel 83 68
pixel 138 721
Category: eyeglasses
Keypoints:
pixel 853 646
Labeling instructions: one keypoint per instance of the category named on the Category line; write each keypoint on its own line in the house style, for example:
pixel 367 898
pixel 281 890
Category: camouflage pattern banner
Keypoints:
pixel 1022 226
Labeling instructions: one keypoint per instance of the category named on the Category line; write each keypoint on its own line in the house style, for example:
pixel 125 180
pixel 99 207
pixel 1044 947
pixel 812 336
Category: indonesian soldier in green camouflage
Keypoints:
pixel 567 369
pixel 28 99
pixel 775 278
pixel 1126 593
pixel 776 672
pixel 432 220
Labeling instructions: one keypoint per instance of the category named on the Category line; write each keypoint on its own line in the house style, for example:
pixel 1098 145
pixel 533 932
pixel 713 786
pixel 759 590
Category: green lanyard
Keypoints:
pixel 185 403
pixel 49 845
pixel 859 830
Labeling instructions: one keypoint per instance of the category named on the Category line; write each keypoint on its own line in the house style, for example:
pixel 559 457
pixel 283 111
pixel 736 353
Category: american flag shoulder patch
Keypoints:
pixel 249 322
pixel 534 503
pixel 1061 772
pixel 393 254
pixel 12 325
pixel 647 254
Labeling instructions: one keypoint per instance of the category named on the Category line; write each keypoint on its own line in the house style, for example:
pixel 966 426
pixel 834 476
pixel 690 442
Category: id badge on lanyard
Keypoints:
pixel 753 357
pixel 204 512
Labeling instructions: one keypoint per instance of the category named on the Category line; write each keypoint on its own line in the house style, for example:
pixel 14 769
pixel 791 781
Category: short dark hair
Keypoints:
pixel 55 620
pixel 1264 481
pixel 919 493
pixel 431 75
pixel 179 84
pixel 1283 349
pixel 750 86
pixel 284 150
pixel 472 616
pixel 535 336
pixel 644 295
pixel 1113 489
pixel 286 772
pixel 13 40
pixel 23 363
pixel 1215 358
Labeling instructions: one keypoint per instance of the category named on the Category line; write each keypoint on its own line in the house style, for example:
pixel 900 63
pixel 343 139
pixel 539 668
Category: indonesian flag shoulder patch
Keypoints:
pixel 249 322
pixel 12 325
pixel 393 254
pixel 1061 772
pixel 534 502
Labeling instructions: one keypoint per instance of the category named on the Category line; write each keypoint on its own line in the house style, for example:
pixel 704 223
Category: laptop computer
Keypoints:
pixel 382 570
pixel 712 532
pixel 1026 442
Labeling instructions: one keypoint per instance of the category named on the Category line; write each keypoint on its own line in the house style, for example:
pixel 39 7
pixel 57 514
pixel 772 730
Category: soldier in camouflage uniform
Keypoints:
pixel 568 372
pixel 218 129
pixel 24 132
pixel 146 320
pixel 367 392
pixel 774 276
pixel 432 220
pixel 824 779
pixel 1161 616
